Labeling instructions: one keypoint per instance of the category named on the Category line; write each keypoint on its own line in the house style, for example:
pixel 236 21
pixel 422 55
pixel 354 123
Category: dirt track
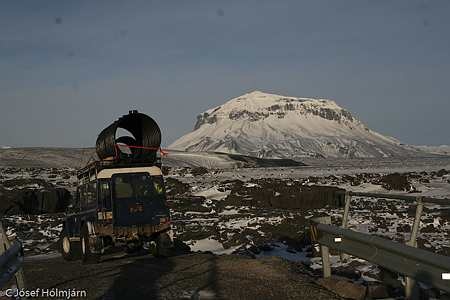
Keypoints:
pixel 190 276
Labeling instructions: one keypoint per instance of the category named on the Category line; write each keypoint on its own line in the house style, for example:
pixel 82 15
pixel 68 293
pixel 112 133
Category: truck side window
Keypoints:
pixel 76 200
pixel 83 196
pixel 104 196
pixel 91 194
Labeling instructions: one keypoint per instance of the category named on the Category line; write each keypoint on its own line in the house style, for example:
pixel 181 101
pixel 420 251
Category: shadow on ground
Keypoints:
pixel 161 278
pixel 188 276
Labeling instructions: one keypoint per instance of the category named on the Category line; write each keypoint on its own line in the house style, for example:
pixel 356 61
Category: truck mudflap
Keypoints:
pixel 131 231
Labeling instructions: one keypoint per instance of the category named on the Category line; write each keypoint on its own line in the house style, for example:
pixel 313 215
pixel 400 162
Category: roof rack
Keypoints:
pixel 96 166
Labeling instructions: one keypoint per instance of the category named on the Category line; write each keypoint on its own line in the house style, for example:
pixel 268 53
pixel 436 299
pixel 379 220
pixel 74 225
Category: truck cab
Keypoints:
pixel 117 204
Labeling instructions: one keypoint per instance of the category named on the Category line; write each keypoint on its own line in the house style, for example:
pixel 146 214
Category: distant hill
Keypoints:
pixel 78 157
pixel 441 150
pixel 45 157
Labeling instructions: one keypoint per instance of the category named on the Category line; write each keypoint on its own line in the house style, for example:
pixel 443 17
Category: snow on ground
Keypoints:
pixel 368 271
pixel 195 159
pixel 38 233
pixel 213 194
pixel 251 227
pixel 207 220
pixel 284 251
pixel 229 212
pixel 211 245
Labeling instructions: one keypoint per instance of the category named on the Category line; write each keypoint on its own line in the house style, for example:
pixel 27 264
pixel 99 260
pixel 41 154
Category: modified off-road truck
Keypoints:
pixel 120 198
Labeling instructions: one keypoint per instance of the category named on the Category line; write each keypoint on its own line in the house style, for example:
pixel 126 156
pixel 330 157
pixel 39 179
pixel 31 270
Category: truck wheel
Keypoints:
pixel 86 248
pixel 70 250
pixel 133 247
pixel 164 245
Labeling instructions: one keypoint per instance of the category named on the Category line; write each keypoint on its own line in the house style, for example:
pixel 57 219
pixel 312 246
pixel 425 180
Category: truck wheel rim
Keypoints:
pixel 66 244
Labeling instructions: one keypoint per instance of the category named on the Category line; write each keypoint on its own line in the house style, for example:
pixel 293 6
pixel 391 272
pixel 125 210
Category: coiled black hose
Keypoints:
pixel 144 144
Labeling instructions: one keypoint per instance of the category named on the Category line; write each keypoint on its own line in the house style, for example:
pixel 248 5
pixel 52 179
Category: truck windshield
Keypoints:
pixel 136 186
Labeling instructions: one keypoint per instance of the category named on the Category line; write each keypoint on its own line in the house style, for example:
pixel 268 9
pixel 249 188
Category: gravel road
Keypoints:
pixel 189 276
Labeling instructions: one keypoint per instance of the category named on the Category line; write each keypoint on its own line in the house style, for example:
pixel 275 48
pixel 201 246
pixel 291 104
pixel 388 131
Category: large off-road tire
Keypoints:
pixel 87 256
pixel 164 246
pixel 133 247
pixel 70 250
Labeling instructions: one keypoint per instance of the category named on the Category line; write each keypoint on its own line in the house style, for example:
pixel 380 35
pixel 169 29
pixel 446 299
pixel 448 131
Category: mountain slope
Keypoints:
pixel 267 125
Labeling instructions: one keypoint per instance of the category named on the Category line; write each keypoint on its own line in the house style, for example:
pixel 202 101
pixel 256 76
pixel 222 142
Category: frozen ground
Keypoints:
pixel 19 178
pixel 265 231
pixel 227 211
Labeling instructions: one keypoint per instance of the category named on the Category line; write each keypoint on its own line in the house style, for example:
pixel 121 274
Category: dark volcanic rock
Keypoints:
pixel 277 193
pixel 26 182
pixel 166 170
pixel 396 181
pixel 34 201
pixel 199 171
pixel 175 187
pixel 441 173
pixel 205 118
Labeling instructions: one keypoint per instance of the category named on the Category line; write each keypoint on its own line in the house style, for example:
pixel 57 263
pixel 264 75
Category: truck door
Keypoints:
pixel 136 201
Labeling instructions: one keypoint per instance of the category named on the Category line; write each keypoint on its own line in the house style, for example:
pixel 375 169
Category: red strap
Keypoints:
pixel 163 152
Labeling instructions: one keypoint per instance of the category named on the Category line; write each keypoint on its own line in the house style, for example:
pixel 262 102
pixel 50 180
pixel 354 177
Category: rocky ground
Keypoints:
pixel 259 224
pixel 259 217
pixel 236 212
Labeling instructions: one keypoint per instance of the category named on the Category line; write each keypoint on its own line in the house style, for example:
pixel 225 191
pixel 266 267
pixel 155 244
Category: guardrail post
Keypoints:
pixel 5 244
pixel 348 199
pixel 415 228
pixel 410 284
pixel 324 250
pixel 2 242
pixel 326 265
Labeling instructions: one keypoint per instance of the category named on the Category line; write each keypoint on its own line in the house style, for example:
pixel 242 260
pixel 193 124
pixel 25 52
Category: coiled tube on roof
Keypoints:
pixel 141 146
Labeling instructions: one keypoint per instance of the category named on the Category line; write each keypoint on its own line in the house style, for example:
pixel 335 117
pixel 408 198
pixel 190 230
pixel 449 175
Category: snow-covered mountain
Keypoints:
pixel 267 125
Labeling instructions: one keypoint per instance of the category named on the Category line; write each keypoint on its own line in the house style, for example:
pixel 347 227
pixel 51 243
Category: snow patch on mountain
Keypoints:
pixel 268 125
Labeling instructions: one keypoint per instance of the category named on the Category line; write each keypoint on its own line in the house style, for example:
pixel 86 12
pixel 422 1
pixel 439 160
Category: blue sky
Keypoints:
pixel 69 68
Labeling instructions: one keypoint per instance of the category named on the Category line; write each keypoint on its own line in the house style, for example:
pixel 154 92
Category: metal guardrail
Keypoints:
pixel 416 264
pixel 422 265
pixel 407 198
pixel 11 260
